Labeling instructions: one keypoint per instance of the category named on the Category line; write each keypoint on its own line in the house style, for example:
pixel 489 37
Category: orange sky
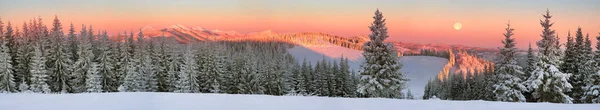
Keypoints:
pixel 408 20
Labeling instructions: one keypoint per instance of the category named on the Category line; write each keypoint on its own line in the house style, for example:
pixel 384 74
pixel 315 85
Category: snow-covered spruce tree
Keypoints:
pixel 251 80
pixel 72 43
pixel 188 75
pixel 83 63
pixel 321 78
pixel 569 59
pixel 146 68
pixel 380 76
pixel 25 51
pixel 547 82
pixel 409 95
pixel 124 56
pixel 173 64
pixel 7 79
pixel 39 74
pixel 133 79
pixel 60 59
pixel 23 87
pixel 531 60
pixel 234 79
pixel 529 68
pixel 105 64
pixel 11 43
pixel 347 85
pixel 591 91
pixel 160 60
pixel 587 67
pixel 211 69
pixel 509 86
pixel 300 80
pixel 94 79
pixel 274 77
pixel 7 74
pixel 309 76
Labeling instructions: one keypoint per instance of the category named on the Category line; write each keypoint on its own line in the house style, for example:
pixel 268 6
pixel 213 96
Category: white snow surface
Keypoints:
pixel 199 101
pixel 419 69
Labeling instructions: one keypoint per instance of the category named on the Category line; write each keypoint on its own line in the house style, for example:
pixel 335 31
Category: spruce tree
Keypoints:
pixel 11 44
pixel 591 90
pixel 146 68
pixel 409 95
pixel 72 43
pixel 106 63
pixel 94 79
pixel 23 87
pixel 569 64
pixel 133 79
pixel 39 74
pixel 547 82
pixel 160 60
pixel 509 86
pixel 211 70
pixel 529 69
pixel 7 77
pixel 380 76
pixel 61 66
pixel 83 63
pixel 173 65
pixel 188 76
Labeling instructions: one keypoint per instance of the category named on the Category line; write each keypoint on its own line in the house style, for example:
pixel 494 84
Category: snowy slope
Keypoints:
pixel 190 101
pixel 418 68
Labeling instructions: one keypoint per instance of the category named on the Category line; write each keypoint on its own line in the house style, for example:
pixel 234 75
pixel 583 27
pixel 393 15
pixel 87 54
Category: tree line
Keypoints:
pixel 41 60
pixel 550 75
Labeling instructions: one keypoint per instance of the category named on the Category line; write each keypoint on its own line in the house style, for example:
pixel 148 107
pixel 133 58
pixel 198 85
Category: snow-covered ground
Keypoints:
pixel 191 101
pixel 418 68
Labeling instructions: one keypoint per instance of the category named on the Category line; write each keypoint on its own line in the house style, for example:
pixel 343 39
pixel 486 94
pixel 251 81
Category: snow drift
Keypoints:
pixel 190 101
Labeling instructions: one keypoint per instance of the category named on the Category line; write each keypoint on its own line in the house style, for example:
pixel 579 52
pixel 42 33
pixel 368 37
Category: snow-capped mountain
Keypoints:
pixel 186 34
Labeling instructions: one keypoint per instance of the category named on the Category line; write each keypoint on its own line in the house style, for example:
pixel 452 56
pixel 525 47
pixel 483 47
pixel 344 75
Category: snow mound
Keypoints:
pixel 197 101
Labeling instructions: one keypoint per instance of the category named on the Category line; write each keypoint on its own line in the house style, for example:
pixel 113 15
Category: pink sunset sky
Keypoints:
pixel 416 21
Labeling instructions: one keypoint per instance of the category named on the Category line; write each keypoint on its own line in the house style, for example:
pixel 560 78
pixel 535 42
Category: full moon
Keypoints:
pixel 457 26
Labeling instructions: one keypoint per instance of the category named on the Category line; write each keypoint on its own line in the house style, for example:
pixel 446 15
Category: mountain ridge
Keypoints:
pixel 186 34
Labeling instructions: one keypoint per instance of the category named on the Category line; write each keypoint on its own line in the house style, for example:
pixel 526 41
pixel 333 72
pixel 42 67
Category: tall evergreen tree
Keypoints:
pixel 106 62
pixel 61 66
pixel 211 70
pixel 72 43
pixel 146 68
pixel 24 51
pixel 39 74
pixel 188 76
pixel 591 90
pixel 529 69
pixel 7 79
pixel 569 64
pixel 381 76
pixel 9 37
pixel 173 65
pixel 509 87
pixel 83 64
pixel 160 60
pixel 547 82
